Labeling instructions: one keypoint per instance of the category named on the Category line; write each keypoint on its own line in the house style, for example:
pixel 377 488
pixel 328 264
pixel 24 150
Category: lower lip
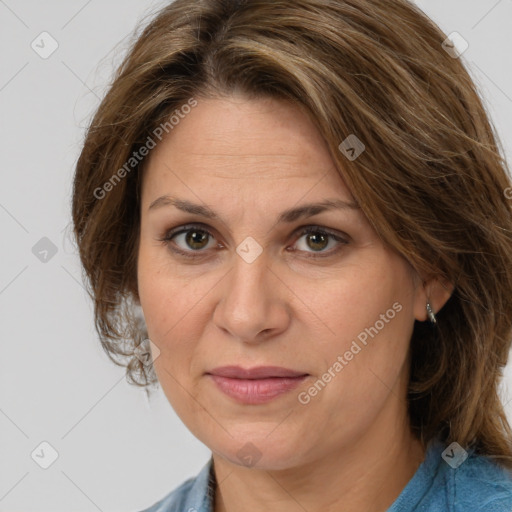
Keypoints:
pixel 256 391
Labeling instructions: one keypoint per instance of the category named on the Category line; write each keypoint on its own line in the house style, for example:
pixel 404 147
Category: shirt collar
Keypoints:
pixel 201 497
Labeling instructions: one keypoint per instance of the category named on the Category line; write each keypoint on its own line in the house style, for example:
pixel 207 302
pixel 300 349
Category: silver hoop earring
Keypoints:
pixel 430 313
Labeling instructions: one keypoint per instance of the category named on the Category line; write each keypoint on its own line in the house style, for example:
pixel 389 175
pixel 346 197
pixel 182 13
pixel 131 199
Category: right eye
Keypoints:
pixel 193 240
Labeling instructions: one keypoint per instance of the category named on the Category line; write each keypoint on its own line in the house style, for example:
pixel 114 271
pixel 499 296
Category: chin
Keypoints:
pixel 260 453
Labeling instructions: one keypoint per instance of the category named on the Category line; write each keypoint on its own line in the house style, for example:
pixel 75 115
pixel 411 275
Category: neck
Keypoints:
pixel 367 475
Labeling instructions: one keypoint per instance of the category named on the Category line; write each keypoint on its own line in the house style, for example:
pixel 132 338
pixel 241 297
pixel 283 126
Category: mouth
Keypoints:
pixel 255 385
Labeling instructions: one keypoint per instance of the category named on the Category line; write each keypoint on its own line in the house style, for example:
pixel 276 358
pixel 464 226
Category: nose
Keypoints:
pixel 253 302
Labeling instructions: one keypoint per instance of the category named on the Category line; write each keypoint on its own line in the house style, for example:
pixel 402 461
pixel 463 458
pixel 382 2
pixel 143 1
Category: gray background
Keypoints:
pixel 116 451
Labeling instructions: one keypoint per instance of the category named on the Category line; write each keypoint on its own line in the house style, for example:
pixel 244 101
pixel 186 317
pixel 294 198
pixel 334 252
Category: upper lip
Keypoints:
pixel 258 372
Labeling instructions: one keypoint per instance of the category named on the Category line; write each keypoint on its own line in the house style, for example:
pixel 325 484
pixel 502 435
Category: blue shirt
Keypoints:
pixel 476 485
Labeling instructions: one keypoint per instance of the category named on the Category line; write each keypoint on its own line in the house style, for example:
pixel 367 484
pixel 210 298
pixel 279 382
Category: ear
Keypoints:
pixel 434 290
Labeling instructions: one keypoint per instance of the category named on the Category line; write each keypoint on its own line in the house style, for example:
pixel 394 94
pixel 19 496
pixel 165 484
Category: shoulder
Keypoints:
pixel 193 495
pixel 174 500
pixel 453 480
pixel 481 485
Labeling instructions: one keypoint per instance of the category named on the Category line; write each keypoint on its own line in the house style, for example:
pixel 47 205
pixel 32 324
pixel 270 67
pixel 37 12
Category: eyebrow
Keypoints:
pixel 287 216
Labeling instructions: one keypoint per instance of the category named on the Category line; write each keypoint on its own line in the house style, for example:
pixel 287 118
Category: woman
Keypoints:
pixel 307 204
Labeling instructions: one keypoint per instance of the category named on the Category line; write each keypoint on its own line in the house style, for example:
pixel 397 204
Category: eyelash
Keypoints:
pixel 169 235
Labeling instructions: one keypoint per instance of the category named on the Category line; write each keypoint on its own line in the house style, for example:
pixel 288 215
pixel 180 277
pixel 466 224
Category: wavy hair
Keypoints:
pixel 432 181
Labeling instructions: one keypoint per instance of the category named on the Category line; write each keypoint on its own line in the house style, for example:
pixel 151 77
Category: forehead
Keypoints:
pixel 244 144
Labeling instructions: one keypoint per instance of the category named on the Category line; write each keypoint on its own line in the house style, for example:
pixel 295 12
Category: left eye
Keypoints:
pixel 318 239
pixel 195 240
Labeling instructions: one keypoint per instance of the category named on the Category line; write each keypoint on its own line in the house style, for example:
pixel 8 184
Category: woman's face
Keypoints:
pixel 334 305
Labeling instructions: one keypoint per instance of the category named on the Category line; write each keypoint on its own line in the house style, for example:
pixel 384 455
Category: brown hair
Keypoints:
pixel 431 180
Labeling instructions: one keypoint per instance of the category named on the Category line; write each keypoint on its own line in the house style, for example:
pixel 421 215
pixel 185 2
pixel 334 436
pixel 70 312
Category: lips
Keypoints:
pixel 255 385
pixel 260 372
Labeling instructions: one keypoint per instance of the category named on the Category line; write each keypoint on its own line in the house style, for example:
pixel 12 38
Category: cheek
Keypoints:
pixel 154 300
pixel 162 312
pixel 160 289
pixel 157 298
pixel 171 304
pixel 369 314
pixel 356 300
pixel 167 302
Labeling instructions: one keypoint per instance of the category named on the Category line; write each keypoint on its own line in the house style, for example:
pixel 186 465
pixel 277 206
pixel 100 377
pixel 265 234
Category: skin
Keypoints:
pixel 350 448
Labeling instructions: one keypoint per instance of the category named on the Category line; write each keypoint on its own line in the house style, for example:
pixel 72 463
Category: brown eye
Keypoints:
pixel 195 239
pixel 317 239
pixel 190 241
